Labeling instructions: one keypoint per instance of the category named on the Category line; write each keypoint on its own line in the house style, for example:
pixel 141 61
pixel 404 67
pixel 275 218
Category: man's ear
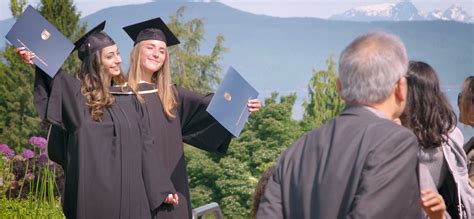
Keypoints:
pixel 401 89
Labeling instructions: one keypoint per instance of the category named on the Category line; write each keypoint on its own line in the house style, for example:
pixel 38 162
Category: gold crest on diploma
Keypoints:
pixel 45 34
pixel 227 96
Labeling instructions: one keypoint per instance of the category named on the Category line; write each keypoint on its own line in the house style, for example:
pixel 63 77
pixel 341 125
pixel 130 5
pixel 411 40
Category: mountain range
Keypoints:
pixel 402 11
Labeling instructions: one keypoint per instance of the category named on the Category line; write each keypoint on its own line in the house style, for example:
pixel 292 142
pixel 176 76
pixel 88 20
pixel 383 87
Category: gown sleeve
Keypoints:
pixel 42 90
pixel 198 127
pixel 59 100
pixel 156 179
pixel 57 142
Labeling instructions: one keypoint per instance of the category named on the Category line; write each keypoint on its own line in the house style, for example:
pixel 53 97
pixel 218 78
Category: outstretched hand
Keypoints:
pixel 25 55
pixel 253 105
pixel 172 199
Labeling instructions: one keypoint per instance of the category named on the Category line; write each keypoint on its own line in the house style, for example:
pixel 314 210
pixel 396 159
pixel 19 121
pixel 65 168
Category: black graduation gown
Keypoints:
pixel 102 161
pixel 192 125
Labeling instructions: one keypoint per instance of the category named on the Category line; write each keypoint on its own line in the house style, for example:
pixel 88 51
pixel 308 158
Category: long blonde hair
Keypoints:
pixel 94 87
pixel 161 79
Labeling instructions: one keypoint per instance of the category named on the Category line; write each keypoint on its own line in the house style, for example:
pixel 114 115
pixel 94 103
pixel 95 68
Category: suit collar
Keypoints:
pixel 359 110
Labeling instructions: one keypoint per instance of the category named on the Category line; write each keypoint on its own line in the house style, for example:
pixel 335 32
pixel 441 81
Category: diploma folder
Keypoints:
pixel 37 35
pixel 229 104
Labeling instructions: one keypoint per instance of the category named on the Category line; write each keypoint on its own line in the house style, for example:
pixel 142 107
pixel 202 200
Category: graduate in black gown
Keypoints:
pixel 175 114
pixel 100 139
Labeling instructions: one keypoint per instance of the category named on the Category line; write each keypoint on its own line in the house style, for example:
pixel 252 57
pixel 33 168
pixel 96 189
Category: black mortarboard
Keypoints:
pixel 154 29
pixel 93 41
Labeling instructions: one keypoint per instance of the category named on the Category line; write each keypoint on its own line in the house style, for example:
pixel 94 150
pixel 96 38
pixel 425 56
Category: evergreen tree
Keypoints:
pixel 190 69
pixel 324 102
pixel 18 118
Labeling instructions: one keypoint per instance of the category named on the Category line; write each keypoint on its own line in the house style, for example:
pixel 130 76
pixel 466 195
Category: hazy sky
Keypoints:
pixel 281 8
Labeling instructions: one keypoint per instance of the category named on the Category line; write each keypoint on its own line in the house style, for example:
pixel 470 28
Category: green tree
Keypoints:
pixel 18 118
pixel 323 102
pixel 190 69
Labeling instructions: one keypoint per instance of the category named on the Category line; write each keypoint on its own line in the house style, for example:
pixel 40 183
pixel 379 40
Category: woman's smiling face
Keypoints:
pixel 152 55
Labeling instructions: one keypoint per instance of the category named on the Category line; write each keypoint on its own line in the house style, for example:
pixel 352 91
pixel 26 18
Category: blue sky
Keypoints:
pixel 280 8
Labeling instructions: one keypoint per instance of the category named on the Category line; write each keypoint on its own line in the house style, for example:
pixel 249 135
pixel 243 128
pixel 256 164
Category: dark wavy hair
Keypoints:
pixel 427 113
pixel 260 190
pixel 93 86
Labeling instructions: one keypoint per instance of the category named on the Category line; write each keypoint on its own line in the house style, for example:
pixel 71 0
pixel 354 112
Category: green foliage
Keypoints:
pixel 324 102
pixel 17 6
pixel 18 118
pixel 190 69
pixel 18 208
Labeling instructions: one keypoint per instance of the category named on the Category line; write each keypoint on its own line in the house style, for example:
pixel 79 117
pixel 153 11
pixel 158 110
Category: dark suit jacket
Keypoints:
pixel 356 166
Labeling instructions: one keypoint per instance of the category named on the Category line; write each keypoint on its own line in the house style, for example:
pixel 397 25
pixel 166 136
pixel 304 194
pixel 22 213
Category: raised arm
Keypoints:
pixel 57 100
pixel 198 127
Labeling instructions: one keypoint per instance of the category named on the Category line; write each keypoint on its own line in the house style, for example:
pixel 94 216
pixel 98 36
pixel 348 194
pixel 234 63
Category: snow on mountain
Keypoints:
pixel 456 13
pixel 401 11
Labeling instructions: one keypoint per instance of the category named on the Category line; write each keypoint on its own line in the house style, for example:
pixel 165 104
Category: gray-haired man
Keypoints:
pixel 360 164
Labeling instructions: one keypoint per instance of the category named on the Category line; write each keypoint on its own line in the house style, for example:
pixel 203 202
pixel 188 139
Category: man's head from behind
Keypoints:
pixel 371 70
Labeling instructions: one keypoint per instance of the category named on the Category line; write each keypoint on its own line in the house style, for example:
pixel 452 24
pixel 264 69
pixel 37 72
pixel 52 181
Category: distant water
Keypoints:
pixel 451 93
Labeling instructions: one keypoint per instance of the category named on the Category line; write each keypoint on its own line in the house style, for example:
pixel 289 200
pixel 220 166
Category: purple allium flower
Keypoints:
pixel 51 164
pixel 43 158
pixel 29 176
pixel 27 154
pixel 4 149
pixel 38 142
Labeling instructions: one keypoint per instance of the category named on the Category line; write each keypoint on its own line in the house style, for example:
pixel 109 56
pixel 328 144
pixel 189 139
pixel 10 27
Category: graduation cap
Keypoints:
pixel 154 29
pixel 93 41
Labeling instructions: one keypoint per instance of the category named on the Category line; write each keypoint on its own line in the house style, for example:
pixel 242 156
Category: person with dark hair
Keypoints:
pixel 260 189
pixel 360 164
pixel 175 114
pixel 99 138
pixel 466 116
pixel 432 120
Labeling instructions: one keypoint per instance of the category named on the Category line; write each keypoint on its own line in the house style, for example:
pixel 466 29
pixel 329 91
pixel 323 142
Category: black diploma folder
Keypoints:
pixel 37 35
pixel 229 104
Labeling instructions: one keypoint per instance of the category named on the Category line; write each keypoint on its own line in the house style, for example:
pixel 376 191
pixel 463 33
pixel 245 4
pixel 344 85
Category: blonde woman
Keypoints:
pixel 175 114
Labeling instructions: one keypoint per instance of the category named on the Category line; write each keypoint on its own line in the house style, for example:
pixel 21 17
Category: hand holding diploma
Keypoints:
pixel 253 105
pixel 25 55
